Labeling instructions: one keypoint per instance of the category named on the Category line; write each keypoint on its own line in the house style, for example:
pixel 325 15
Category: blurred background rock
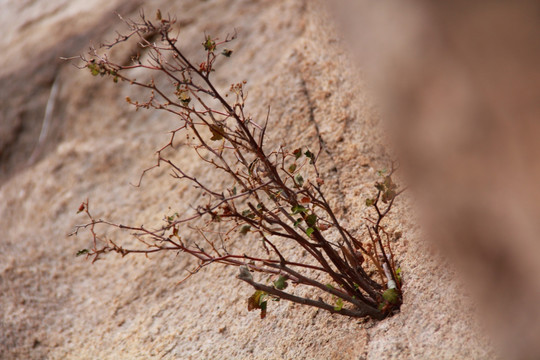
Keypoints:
pixel 459 86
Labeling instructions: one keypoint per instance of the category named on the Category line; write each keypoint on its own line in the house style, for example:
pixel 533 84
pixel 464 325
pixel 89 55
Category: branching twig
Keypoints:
pixel 276 196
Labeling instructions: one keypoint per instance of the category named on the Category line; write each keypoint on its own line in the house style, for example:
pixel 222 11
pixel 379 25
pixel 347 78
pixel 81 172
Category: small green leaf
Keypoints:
pixel 299 180
pixel 330 286
pixel 263 309
pixel 292 168
pixel 309 231
pixel 398 275
pixel 311 219
pixel 227 52
pixel 209 44
pixel 297 222
pixel 339 304
pixel 297 209
pixel 94 69
pixel 258 301
pixel 297 153
pixel 82 252
pixel 245 229
pixel 281 283
pixel 254 301
pixel 248 213
pixel 311 156
pixel 391 296
pixel 171 218
pixel 370 202
pixel 234 190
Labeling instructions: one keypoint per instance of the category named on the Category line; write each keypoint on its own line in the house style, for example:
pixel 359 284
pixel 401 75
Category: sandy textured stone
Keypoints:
pixel 57 306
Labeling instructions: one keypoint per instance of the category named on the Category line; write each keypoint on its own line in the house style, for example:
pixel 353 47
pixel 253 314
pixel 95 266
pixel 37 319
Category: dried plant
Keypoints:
pixel 274 198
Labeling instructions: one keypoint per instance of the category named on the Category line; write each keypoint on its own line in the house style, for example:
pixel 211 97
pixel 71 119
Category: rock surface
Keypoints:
pixel 57 306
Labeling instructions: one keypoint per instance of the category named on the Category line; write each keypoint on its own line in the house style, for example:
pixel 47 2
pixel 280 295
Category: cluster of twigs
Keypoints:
pixel 274 196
